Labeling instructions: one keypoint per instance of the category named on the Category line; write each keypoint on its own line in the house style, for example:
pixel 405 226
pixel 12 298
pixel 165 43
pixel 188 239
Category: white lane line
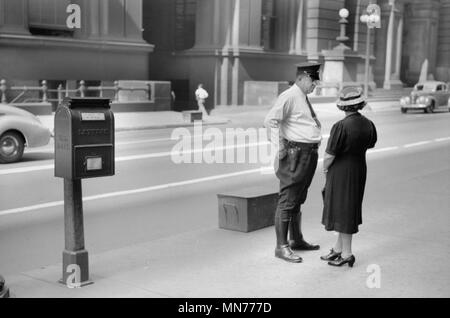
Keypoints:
pixel 442 139
pixel 26 169
pixel 382 149
pixel 416 144
pixel 31 208
pixel 129 192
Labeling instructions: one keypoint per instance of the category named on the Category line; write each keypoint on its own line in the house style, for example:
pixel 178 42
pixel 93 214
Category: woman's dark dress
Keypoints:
pixel 346 177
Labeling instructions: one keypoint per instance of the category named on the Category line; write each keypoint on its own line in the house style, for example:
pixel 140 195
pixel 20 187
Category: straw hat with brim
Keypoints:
pixel 351 99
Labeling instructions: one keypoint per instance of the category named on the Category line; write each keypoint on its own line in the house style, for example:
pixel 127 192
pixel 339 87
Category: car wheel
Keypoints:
pixel 403 110
pixel 11 147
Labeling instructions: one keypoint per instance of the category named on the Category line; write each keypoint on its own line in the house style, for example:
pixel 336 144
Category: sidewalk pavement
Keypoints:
pixel 215 263
pixel 220 115
pixel 208 263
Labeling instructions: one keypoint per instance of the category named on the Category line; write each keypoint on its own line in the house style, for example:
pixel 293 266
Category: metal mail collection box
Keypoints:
pixel 84 138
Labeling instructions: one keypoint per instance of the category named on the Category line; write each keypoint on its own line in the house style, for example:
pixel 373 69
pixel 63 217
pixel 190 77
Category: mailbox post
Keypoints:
pixel 84 148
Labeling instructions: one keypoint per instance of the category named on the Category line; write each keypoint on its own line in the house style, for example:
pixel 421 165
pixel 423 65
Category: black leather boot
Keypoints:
pixel 283 250
pixel 296 241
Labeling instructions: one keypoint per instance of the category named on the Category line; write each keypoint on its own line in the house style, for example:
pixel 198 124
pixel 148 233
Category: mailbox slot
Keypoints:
pixel 89 157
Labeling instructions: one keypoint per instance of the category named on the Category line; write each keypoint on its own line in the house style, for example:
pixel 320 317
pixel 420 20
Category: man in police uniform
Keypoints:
pixel 299 137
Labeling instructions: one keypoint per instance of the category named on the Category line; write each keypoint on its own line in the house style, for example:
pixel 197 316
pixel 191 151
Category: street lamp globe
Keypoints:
pixel 364 18
pixel 343 13
pixel 374 18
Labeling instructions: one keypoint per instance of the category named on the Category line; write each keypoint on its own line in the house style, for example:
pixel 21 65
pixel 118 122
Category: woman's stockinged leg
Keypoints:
pixel 338 247
pixel 346 245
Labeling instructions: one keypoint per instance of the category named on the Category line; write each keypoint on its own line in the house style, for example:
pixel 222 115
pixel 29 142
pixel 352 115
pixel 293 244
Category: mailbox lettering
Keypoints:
pixel 92 116
pixel 93 132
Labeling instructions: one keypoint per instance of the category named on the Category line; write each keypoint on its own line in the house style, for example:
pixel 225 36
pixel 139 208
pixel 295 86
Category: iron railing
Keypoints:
pixel 65 92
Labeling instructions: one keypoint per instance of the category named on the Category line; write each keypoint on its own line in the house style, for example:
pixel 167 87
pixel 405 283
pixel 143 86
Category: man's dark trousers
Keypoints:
pixel 295 172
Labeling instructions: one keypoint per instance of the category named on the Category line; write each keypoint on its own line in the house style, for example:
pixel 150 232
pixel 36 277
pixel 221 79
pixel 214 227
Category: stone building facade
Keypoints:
pixel 224 43
pixel 36 43
pixel 221 43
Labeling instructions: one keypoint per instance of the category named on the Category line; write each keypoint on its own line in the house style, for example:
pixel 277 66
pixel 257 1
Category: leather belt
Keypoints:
pixel 304 145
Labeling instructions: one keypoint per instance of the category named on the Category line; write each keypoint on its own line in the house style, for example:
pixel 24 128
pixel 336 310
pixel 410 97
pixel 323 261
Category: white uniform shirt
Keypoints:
pixel 292 112
pixel 201 93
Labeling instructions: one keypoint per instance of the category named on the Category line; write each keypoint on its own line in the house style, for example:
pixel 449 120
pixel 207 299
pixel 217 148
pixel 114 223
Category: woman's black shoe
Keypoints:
pixel 342 261
pixel 331 257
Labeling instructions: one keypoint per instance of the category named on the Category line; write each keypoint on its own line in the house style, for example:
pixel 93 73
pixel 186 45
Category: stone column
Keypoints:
pixel 235 24
pixel 207 23
pixel 89 19
pixel 398 58
pixel 225 54
pixel 357 22
pixel 292 33
pixel 114 19
pixel 389 44
pixel 299 28
pixel 283 25
pixel 235 46
pixel 14 17
pixel 104 17
pixel 133 20
pixel 224 67
pixel 421 42
pixel 227 30
pixel 296 26
pixel 94 18
pixel 443 51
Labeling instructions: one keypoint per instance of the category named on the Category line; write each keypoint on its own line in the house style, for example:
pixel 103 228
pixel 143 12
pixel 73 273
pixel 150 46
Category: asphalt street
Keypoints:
pixel 405 209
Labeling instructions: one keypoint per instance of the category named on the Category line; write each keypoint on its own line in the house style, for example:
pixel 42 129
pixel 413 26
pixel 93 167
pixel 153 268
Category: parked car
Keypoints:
pixel 19 128
pixel 428 96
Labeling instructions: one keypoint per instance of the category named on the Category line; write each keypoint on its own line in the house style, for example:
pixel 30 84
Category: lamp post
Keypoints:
pixel 343 14
pixel 372 19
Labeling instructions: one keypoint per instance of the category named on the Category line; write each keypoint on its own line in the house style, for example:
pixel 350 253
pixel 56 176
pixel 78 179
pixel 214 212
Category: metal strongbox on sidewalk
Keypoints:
pixel 248 209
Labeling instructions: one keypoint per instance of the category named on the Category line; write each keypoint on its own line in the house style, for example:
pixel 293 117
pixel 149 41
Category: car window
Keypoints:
pixel 419 87
pixel 439 88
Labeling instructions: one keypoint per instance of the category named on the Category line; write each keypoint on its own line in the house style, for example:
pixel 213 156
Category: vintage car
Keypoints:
pixel 427 96
pixel 19 128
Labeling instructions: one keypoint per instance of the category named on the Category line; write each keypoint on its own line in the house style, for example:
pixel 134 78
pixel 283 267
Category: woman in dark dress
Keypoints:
pixel 345 168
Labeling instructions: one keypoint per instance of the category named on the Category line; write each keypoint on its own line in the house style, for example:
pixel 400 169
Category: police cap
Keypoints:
pixel 312 69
